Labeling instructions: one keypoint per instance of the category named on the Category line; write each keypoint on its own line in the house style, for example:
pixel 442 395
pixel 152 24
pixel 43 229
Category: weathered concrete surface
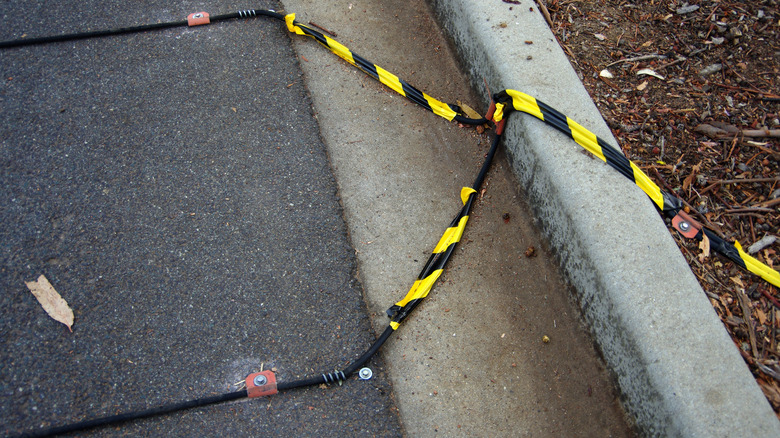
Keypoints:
pixel 677 369
pixel 470 361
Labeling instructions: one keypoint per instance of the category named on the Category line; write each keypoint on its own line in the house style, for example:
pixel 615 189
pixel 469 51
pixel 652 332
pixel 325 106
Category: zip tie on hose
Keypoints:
pixel 669 204
pixel 446 110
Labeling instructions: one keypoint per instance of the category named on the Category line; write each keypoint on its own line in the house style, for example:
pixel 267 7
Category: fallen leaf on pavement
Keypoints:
pixel 469 111
pixel 704 246
pixel 51 301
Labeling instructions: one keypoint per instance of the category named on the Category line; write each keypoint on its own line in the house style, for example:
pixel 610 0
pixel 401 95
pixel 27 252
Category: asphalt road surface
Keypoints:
pixel 173 187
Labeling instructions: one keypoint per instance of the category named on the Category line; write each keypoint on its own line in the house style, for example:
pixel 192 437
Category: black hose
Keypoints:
pixel 340 375
pixel 121 418
pixel 467 121
pixel 249 13
pixel 486 165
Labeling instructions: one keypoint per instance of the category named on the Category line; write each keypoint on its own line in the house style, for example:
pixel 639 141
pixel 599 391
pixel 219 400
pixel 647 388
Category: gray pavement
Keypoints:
pixel 174 188
pixel 470 361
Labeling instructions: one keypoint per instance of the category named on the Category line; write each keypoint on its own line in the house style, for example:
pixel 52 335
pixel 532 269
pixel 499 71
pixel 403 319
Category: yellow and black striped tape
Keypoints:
pixel 509 100
pixel 435 264
pixel 398 85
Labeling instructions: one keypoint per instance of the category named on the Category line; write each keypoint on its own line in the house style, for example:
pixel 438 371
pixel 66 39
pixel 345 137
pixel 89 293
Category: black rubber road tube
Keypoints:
pixel 249 13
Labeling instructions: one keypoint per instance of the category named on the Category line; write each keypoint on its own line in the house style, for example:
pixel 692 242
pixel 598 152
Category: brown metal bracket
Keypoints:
pixel 198 18
pixel 261 384
pixel 686 225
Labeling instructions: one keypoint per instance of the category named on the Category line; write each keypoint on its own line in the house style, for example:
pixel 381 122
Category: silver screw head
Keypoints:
pixel 365 373
pixel 685 226
pixel 198 15
pixel 260 380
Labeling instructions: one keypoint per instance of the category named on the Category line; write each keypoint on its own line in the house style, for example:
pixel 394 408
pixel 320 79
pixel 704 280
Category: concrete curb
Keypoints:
pixel 675 365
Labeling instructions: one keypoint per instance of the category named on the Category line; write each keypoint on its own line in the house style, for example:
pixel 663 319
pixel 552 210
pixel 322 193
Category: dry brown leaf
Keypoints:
pixel 737 281
pixel 704 246
pixel 469 111
pixel 761 316
pixel 51 301
pixel 689 179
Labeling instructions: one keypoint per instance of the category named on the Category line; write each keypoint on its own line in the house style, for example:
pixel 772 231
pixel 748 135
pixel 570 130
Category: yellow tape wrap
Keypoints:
pixel 290 20
pixel 465 192
pixel 648 186
pixel 525 103
pixel 390 80
pixel 440 108
pixel 339 49
pixel 758 268
pixel 585 138
pixel 451 235
pixel 420 288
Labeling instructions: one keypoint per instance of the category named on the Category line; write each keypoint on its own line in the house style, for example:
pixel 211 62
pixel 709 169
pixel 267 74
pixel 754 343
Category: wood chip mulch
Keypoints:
pixel 691 92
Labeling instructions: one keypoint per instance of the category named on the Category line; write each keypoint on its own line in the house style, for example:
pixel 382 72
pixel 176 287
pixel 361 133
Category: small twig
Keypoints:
pixel 747 90
pixel 746 180
pixel 770 298
pixel 669 64
pixel 771 203
pixel 743 301
pixel 761 132
pixel 750 210
pixel 333 34
pixel 545 12
pixel 638 58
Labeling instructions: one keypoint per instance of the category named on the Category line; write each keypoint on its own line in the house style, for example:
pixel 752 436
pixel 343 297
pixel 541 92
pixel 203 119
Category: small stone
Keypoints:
pixel 687 9
pixel 761 244
pixel 710 69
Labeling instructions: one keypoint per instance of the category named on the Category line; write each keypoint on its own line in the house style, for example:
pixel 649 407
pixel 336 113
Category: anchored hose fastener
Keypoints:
pixel 686 225
pixel 198 18
pixel 261 384
pixel 365 373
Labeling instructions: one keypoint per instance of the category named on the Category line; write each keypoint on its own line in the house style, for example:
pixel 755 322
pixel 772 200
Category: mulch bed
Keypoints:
pixel 690 91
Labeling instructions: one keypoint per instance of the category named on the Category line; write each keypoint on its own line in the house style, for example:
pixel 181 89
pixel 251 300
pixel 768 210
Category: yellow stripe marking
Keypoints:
pixel 420 288
pixel 465 192
pixel 648 186
pixel 585 138
pixel 390 80
pixel 440 108
pixel 525 103
pixel 451 235
pixel 339 49
pixel 758 268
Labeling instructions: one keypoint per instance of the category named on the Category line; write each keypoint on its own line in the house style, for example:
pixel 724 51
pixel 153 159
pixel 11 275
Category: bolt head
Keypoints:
pixel 260 380
pixel 685 226
pixel 365 373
